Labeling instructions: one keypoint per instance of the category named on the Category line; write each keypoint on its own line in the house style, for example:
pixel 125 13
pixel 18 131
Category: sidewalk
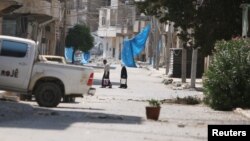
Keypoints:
pixel 199 86
pixel 161 73
pixel 244 112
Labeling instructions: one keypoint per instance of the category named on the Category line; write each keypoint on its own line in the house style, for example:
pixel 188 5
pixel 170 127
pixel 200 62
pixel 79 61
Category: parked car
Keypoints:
pixel 21 70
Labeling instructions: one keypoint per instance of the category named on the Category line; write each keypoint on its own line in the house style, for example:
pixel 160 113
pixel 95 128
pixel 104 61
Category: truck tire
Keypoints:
pixel 48 94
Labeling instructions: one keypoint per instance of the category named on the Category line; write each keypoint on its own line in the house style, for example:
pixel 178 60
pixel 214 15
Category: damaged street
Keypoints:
pixel 115 114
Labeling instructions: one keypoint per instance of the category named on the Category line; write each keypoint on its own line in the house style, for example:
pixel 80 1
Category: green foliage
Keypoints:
pixel 182 12
pixel 218 20
pixel 189 100
pixel 210 20
pixel 154 103
pixel 227 83
pixel 79 38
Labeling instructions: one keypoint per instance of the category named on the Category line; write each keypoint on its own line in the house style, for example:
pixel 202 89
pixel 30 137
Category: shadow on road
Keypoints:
pixel 99 82
pixel 20 115
pixel 78 108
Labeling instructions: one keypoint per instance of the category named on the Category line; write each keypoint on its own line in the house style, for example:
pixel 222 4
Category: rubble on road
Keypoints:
pixel 9 96
pixel 176 84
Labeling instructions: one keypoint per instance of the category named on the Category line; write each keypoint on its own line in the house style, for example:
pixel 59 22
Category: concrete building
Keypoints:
pixel 93 13
pixel 6 7
pixel 35 19
pixel 76 12
pixel 115 23
pixel 84 12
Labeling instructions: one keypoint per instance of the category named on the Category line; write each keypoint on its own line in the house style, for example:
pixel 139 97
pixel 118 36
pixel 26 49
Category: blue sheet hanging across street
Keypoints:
pixel 84 57
pixel 133 47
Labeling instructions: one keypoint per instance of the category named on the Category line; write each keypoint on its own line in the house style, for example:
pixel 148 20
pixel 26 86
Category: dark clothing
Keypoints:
pixel 124 72
pixel 124 75
pixel 105 80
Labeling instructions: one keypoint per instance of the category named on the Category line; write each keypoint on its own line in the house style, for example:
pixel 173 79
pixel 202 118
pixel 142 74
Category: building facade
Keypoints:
pixel 37 20
pixel 76 12
pixel 84 12
pixel 116 21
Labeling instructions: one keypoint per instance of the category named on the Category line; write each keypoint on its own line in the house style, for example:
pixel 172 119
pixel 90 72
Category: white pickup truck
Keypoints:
pixel 23 71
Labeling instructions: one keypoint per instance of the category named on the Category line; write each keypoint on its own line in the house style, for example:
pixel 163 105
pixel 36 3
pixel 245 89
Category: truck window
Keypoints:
pixel 13 49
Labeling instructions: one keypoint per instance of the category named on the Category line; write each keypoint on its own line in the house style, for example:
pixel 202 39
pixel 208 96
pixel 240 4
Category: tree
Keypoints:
pixel 227 86
pixel 202 22
pixel 79 38
pixel 217 20
pixel 181 12
pixel 211 20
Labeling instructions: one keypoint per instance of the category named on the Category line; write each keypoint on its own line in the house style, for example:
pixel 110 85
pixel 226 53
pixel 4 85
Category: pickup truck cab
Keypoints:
pixel 23 71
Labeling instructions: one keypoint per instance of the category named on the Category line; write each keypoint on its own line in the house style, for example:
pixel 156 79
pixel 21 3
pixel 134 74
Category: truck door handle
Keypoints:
pixel 22 63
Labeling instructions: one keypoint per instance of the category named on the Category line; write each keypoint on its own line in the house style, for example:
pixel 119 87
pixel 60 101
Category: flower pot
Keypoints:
pixel 153 112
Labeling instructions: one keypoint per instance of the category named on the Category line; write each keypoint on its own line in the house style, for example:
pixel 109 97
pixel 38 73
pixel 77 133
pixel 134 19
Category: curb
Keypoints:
pixel 243 112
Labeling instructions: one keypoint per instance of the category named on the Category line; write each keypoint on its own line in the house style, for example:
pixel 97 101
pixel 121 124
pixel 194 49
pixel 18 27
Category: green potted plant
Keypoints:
pixel 153 110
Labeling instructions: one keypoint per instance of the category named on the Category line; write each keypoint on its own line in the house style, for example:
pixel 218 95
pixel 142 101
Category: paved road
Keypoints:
pixel 142 85
pixel 114 115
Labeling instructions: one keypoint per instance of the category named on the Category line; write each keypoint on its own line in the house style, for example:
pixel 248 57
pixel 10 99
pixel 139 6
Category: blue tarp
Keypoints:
pixel 84 56
pixel 68 54
pixel 133 47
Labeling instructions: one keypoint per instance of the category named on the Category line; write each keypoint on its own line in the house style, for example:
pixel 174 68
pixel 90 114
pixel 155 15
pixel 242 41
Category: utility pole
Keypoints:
pixel 157 44
pixel 63 35
pixel 150 47
pixel 183 63
pixel 194 62
pixel 156 53
pixel 77 11
pixel 153 43
pixel 169 45
pixel 194 67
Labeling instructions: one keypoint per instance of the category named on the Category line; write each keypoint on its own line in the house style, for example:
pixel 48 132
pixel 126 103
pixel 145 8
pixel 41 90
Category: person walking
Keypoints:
pixel 105 79
pixel 124 77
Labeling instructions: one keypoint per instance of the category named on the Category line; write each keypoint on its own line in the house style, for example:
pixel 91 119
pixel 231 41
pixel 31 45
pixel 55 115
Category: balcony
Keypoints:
pixel 107 32
pixel 116 22
pixel 7 6
pixel 42 8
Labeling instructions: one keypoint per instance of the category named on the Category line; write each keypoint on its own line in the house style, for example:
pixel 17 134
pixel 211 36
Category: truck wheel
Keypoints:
pixel 48 94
